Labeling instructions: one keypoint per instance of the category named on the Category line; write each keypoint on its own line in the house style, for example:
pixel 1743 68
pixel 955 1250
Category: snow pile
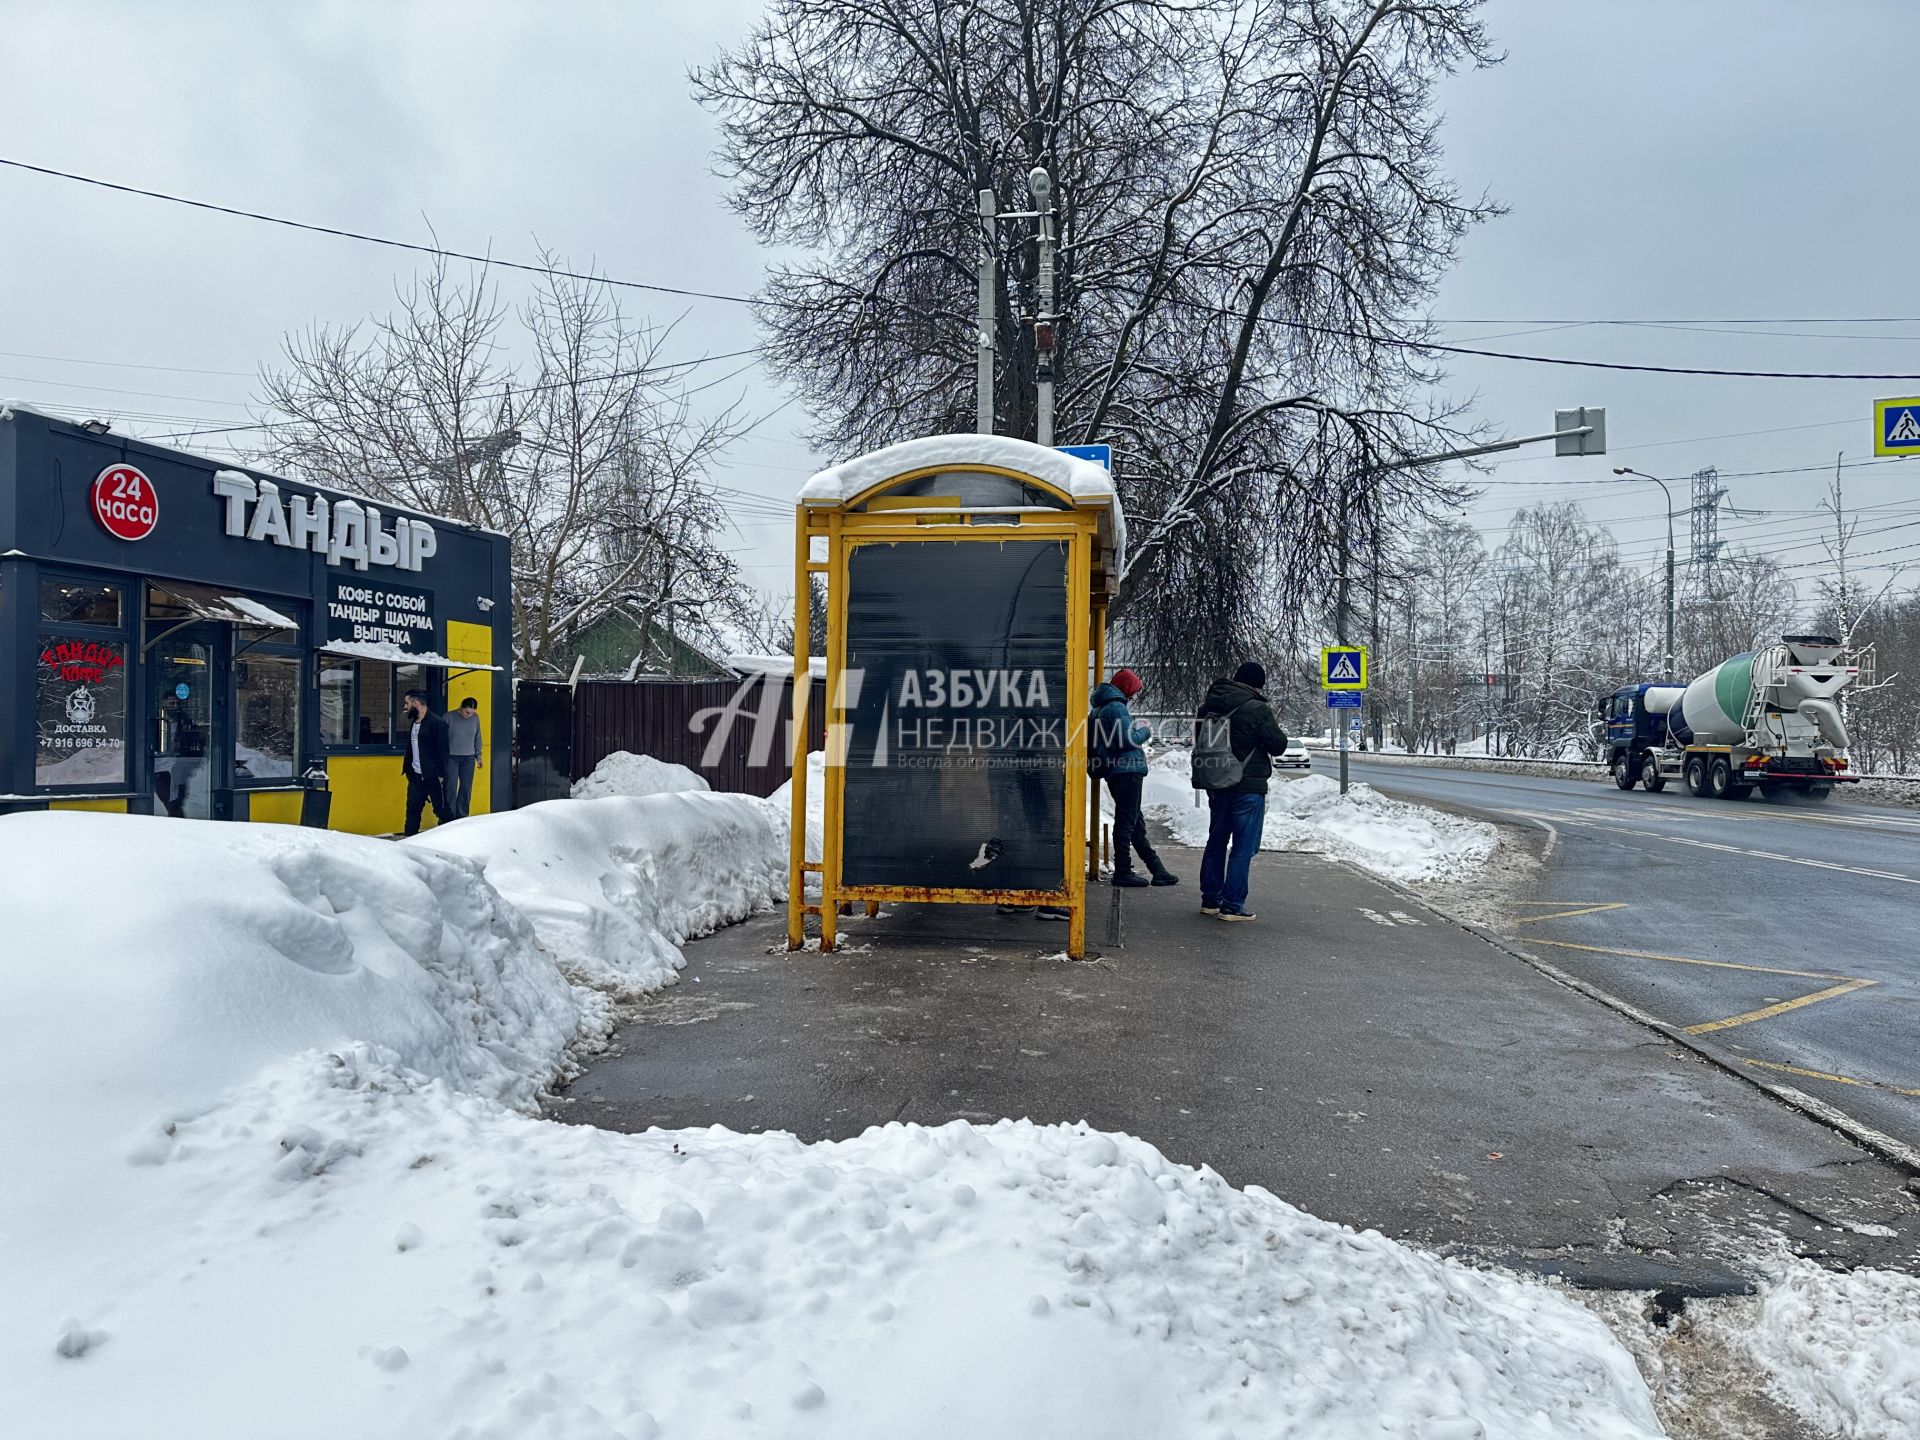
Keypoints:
pixel 453 1268
pixel 782 802
pixel 1842 1349
pixel 261 1087
pixel 613 886
pixel 1088 482
pixel 625 773
pixel 1393 838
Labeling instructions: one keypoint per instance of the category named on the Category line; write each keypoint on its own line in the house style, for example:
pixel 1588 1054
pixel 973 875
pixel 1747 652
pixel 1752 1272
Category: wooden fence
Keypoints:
pixel 734 733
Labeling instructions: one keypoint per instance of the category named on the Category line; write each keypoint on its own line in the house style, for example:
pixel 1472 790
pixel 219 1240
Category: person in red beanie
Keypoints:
pixel 1114 739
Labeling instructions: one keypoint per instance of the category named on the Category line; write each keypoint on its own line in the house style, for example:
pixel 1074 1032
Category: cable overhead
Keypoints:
pixel 1435 346
pixel 344 234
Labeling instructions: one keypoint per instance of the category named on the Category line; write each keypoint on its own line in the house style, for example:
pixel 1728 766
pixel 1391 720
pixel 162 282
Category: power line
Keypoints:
pixel 366 239
pixel 643 371
pixel 1396 341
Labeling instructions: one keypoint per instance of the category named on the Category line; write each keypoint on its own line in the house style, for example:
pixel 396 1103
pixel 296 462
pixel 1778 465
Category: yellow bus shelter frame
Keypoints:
pixel 844 527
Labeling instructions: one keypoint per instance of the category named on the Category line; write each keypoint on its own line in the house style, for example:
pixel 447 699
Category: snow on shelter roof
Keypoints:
pixel 1089 484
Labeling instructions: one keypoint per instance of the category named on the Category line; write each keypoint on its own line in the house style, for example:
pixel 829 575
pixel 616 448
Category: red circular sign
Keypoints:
pixel 124 502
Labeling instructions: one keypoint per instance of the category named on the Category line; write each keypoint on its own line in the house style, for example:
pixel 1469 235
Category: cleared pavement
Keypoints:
pixel 1351 1051
pixel 1786 936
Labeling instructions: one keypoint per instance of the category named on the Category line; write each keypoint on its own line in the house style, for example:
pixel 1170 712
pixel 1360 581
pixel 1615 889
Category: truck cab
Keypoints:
pixel 1631 736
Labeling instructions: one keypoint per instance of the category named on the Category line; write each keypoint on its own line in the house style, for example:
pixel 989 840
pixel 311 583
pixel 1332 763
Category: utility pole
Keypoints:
pixel 1377 722
pixel 983 346
pixel 1342 596
pixel 1410 663
pixel 1040 186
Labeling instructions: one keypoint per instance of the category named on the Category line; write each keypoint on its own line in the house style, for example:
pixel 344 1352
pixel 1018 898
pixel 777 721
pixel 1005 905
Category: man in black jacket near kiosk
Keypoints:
pixel 425 761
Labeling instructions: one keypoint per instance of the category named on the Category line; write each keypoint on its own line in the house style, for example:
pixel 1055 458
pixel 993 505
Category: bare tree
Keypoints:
pixel 1252 213
pixel 767 623
pixel 1751 603
pixel 1565 615
pixel 581 446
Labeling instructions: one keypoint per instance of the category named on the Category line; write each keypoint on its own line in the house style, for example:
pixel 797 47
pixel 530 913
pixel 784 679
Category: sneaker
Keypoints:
pixel 1165 877
pixel 1053 912
pixel 1225 914
pixel 1209 907
pixel 1129 880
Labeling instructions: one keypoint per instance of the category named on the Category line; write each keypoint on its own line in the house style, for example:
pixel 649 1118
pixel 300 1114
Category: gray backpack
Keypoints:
pixel 1215 766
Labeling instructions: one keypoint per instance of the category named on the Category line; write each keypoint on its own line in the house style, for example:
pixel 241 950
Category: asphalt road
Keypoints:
pixel 1786 935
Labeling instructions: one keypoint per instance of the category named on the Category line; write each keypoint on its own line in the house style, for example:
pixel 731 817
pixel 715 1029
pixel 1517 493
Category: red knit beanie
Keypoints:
pixel 1128 683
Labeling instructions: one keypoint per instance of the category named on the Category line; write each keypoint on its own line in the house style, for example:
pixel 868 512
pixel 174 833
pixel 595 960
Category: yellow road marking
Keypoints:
pixel 1685 960
pixel 1569 914
pixel 1831 993
pixel 1828 1075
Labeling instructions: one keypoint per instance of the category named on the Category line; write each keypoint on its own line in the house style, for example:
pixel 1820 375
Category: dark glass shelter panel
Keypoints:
pixel 956 696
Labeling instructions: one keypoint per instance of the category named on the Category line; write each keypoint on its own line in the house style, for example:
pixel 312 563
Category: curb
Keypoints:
pixel 1894 1152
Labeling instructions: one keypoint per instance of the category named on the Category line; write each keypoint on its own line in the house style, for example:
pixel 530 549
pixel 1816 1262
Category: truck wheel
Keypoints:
pixel 1695 774
pixel 1820 791
pixel 1720 778
pixel 1623 775
pixel 1650 775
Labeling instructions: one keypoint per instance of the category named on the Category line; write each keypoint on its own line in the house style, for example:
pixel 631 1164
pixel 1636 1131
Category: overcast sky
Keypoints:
pixel 1712 160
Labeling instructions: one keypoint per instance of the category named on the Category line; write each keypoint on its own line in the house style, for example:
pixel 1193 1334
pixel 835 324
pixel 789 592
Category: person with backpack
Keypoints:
pixel 1233 746
pixel 1114 739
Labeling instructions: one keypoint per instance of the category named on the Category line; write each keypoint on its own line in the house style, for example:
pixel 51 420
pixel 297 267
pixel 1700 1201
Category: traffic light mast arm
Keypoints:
pixel 1493 449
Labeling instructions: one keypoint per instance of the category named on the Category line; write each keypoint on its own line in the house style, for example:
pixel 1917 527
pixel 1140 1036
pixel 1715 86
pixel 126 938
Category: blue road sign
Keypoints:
pixel 1343 699
pixel 1343 667
pixel 1897 426
pixel 1101 455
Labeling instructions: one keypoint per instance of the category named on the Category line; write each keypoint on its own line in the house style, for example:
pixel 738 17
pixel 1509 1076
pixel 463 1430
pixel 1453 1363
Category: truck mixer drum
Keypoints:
pixel 1769 716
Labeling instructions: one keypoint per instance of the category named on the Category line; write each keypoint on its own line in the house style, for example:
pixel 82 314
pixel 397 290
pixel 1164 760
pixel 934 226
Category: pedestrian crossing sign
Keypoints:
pixel 1344 667
pixel 1896 426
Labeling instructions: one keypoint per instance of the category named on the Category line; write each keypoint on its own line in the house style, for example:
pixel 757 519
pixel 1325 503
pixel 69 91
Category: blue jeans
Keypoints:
pixel 1237 818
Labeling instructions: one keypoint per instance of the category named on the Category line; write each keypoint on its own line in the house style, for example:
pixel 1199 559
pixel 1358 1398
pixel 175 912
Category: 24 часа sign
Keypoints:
pixel 371 612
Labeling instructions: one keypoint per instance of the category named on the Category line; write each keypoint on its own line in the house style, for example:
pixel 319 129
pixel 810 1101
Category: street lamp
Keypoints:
pixel 1629 474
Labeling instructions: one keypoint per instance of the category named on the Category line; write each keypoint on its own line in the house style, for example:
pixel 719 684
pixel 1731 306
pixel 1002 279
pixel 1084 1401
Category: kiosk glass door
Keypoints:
pixel 181 680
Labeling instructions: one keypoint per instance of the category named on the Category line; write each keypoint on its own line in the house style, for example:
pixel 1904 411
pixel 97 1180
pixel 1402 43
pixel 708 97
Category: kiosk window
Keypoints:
pixel 81 712
pixel 77 602
pixel 376 703
pixel 360 700
pixel 266 692
pixel 336 701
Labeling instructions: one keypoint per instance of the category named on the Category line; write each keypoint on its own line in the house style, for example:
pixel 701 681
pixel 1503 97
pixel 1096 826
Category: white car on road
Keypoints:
pixel 1294 757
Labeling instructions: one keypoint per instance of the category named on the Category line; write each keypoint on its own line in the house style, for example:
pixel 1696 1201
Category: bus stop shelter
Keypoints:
pixel 967 585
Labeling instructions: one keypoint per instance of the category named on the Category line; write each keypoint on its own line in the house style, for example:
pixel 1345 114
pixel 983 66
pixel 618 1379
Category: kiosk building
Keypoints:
pixel 182 636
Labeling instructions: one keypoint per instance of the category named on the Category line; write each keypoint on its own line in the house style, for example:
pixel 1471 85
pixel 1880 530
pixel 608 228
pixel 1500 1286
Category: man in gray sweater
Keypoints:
pixel 463 755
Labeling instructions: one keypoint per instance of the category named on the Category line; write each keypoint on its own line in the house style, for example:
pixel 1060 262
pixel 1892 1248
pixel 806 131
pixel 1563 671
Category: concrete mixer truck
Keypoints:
pixel 1766 719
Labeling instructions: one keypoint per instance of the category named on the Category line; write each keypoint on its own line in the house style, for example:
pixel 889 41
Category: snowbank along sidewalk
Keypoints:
pixel 270 1095
pixel 1393 838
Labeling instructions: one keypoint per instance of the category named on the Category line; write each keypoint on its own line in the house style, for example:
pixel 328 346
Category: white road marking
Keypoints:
pixel 1375 916
pixel 1404 918
pixel 1724 849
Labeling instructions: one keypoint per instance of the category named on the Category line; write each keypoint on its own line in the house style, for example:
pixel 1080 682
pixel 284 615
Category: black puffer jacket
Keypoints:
pixel 1254 734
